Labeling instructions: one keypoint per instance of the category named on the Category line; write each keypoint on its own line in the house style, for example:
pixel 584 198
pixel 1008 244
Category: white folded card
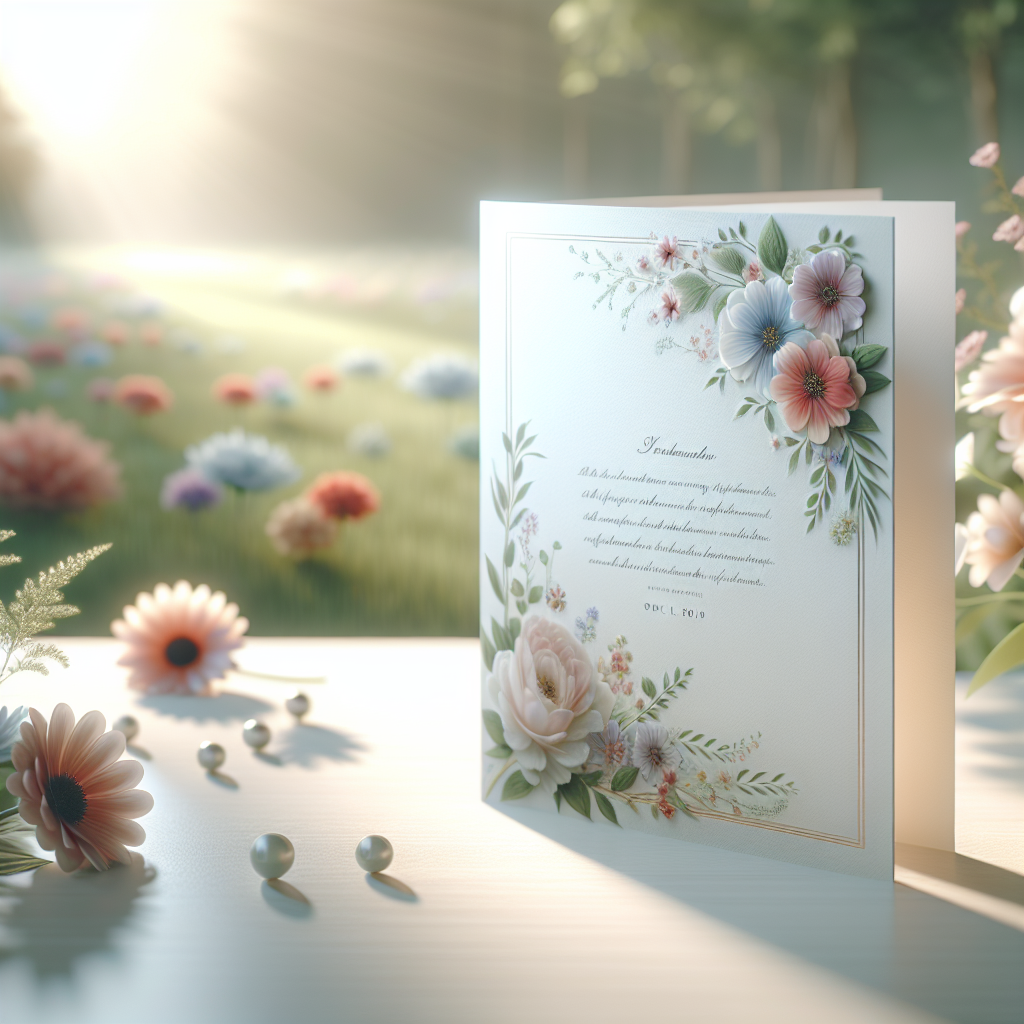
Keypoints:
pixel 716 590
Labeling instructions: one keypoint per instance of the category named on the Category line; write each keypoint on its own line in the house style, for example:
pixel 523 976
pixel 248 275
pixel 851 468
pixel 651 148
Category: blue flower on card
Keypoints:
pixel 754 325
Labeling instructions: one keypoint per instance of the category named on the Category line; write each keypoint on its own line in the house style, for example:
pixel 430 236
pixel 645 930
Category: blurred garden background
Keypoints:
pixel 258 215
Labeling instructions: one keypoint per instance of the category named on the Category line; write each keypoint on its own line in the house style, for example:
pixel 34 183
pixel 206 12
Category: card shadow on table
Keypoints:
pixel 224 707
pixel 895 940
pixel 56 919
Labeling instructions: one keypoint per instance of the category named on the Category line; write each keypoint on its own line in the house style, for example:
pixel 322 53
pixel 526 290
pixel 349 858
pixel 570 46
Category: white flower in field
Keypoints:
pixel 442 377
pixel 963 455
pixel 370 439
pixel 550 700
pixel 363 363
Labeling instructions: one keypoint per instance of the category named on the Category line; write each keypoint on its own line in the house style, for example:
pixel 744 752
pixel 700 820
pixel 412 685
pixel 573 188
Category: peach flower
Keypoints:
pixel 1011 230
pixel 180 640
pixel 72 787
pixel 320 378
pixel 235 389
pixel 996 388
pixel 550 700
pixel 816 387
pixel 985 156
pixel 1018 189
pixel 960 299
pixel 961 228
pixel 299 528
pixel 967 349
pixel 49 463
pixel 15 374
pixel 151 335
pixel 995 539
pixel 344 495
pixel 143 395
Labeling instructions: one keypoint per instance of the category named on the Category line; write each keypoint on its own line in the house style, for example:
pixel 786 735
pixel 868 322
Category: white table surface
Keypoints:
pixel 517 916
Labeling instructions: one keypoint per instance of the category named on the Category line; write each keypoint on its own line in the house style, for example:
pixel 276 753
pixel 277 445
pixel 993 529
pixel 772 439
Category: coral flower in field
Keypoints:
pixel 46 353
pixel 69 321
pixel 1011 230
pixel 151 335
pixel 298 528
pixel 235 389
pixel 816 387
pixel 321 378
pixel 115 333
pixel 143 395
pixel 48 463
pixel 76 792
pixel 180 640
pixel 344 495
pixel 985 156
pixel 826 294
pixel 15 374
pixel 995 539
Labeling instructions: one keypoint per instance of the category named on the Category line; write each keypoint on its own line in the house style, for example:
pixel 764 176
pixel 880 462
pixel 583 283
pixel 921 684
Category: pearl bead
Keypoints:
pixel 211 755
pixel 127 725
pixel 256 734
pixel 271 855
pixel 297 704
pixel 374 853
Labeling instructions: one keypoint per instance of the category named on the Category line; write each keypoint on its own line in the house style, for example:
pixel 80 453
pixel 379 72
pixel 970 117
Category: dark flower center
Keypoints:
pixel 181 651
pixel 814 386
pixel 829 296
pixel 66 798
pixel 655 755
pixel 547 687
pixel 770 337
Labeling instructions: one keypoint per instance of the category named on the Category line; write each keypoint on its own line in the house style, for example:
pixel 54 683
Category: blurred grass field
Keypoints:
pixel 410 569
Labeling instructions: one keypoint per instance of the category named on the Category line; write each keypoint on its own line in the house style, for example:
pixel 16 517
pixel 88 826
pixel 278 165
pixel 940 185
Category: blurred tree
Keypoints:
pixel 732 66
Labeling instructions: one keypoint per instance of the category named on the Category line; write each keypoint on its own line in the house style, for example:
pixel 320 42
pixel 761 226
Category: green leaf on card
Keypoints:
pixel 516 787
pixel 492 723
pixel 861 422
pixel 729 259
pixel 492 575
pixel 771 247
pixel 867 355
pixel 648 687
pixel 487 650
pixel 875 381
pixel 624 778
pixel 501 752
pixel 576 794
pixel 510 553
pixel 605 806
pixel 517 589
pixel 693 290
pixel 536 593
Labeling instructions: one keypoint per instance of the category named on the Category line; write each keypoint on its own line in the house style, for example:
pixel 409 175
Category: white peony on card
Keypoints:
pixel 713 448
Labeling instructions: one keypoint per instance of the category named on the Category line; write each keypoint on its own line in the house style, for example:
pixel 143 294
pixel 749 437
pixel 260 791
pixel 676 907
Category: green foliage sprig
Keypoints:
pixel 35 608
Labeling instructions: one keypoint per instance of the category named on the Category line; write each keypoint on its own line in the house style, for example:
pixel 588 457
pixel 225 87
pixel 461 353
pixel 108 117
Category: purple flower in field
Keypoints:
pixel 188 488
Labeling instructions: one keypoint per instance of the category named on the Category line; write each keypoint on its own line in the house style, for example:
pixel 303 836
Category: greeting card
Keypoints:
pixel 713 455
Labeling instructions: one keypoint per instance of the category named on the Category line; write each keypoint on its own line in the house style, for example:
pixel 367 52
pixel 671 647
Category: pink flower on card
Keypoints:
pixel 969 348
pixel 985 156
pixel 826 294
pixel 1011 230
pixel 667 251
pixel 816 387
pixel 670 309
pixel 643 264
pixel 752 272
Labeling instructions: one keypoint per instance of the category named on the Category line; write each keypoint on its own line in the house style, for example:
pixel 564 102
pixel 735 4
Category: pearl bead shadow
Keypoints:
pixel 286 899
pixel 268 758
pixel 141 753
pixel 221 779
pixel 390 886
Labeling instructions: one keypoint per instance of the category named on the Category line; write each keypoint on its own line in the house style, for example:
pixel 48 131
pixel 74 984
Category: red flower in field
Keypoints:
pixel 15 374
pixel 46 353
pixel 235 389
pixel 69 321
pixel 344 495
pixel 151 335
pixel 143 395
pixel 115 333
pixel 321 378
pixel 48 463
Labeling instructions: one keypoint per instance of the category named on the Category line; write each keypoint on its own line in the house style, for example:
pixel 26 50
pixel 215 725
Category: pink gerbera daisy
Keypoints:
pixel 816 387
pixel 179 640
pixel 826 294
pixel 76 792
pixel 235 389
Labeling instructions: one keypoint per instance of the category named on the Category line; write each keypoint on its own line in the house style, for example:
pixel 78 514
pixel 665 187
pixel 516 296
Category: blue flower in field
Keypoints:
pixel 188 488
pixel 466 444
pixel 92 353
pixel 363 363
pixel 441 377
pixel 10 725
pixel 244 461
pixel 370 439
pixel 754 325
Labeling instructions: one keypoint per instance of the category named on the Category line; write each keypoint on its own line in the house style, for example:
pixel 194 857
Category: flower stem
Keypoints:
pixel 967 602
pixel 985 479
pixel 279 678
pixel 504 768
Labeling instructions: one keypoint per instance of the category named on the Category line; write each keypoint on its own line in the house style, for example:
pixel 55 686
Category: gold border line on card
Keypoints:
pixel 827 837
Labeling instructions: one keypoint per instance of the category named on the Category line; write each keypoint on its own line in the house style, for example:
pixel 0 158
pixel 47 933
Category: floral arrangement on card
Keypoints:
pixel 71 788
pixel 590 731
pixel 788 332
pixel 990 452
